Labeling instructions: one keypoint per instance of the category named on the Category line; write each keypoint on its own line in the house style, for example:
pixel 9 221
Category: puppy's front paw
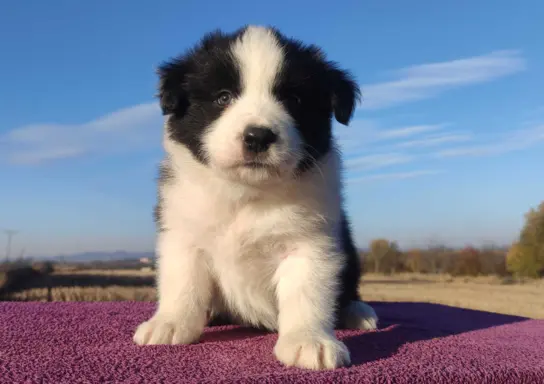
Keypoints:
pixel 312 351
pixel 161 329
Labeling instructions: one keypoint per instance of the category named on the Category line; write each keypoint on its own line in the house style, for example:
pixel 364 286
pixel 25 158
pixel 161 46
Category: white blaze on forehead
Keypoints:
pixel 260 57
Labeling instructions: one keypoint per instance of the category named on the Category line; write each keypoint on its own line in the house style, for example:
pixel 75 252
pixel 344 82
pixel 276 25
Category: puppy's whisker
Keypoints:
pixel 316 165
pixel 314 162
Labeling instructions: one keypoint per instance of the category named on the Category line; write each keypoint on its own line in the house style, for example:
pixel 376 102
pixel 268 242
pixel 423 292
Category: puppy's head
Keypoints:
pixel 254 105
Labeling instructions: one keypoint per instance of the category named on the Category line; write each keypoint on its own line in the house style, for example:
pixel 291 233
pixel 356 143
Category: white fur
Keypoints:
pixel 266 252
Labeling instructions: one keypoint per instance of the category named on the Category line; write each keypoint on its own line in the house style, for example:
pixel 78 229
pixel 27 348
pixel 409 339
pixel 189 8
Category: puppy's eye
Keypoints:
pixel 224 98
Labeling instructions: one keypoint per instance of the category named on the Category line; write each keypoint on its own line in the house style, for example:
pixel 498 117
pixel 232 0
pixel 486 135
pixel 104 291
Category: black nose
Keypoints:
pixel 258 139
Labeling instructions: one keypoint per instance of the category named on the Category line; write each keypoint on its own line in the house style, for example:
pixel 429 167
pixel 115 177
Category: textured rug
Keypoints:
pixel 416 343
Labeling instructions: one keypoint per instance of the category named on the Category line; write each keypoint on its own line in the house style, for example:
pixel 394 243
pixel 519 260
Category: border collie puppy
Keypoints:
pixel 250 217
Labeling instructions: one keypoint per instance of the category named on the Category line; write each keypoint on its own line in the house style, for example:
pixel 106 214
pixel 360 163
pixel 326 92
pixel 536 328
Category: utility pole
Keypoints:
pixel 9 233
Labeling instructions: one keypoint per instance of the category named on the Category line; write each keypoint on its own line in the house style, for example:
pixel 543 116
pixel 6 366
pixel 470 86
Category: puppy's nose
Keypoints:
pixel 258 139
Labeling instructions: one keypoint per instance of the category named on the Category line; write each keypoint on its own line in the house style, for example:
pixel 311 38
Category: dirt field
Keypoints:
pixel 484 293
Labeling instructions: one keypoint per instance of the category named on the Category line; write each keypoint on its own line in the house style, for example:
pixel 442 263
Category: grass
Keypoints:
pixel 110 293
pixel 493 294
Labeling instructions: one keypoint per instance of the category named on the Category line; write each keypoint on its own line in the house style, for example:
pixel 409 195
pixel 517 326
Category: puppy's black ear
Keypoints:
pixel 172 96
pixel 345 95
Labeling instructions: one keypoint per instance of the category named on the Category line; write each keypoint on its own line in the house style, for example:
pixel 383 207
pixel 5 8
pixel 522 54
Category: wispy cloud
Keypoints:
pixel 123 130
pixel 365 132
pixel 510 142
pixel 398 154
pixel 395 146
pixel 428 80
pixel 395 176
pixel 45 154
pixel 434 140
pixel 400 133
pixel 387 146
pixel 369 162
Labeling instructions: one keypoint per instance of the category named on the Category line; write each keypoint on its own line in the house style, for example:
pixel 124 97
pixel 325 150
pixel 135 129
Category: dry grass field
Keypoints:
pixel 494 294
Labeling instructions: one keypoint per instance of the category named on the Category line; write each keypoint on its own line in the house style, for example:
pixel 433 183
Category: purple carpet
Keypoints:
pixel 416 343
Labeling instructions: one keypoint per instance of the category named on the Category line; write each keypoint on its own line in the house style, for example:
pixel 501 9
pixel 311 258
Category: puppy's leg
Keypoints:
pixel 307 289
pixel 184 289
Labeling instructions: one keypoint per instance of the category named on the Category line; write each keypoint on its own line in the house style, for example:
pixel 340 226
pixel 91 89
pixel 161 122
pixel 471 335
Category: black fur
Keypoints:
pixel 189 85
pixel 352 269
pixel 323 90
pixel 166 175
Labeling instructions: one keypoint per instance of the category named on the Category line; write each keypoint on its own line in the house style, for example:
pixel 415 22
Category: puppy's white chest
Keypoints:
pixel 245 241
pixel 244 259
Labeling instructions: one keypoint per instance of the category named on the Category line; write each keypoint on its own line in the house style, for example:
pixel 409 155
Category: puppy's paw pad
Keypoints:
pixel 312 352
pixel 164 330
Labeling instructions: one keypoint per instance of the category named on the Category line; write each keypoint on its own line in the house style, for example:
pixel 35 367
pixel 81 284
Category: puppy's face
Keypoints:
pixel 254 105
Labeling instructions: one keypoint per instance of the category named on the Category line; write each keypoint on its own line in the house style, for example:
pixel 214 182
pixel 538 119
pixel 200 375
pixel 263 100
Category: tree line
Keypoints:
pixel 524 258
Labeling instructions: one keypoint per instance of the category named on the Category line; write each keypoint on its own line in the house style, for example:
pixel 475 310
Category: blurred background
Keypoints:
pixel 444 157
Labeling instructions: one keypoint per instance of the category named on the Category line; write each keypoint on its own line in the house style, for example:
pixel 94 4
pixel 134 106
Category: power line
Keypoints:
pixel 9 233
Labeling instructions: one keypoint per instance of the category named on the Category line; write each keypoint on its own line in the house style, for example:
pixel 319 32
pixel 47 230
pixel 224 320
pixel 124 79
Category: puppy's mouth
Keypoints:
pixel 255 165
pixel 252 165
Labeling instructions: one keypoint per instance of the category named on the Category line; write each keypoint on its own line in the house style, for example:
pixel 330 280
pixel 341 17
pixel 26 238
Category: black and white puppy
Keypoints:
pixel 251 224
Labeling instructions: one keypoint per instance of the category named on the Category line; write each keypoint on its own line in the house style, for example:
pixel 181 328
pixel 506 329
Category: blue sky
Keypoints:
pixel 447 146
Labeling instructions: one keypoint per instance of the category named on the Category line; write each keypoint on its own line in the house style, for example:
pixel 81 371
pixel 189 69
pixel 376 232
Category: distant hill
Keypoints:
pixel 84 257
pixel 98 256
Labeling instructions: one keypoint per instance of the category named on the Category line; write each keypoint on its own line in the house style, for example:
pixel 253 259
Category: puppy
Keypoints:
pixel 250 217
